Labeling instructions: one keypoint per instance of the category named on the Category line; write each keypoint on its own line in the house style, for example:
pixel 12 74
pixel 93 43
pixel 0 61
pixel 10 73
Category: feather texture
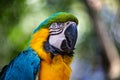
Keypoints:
pixel 57 17
pixel 23 67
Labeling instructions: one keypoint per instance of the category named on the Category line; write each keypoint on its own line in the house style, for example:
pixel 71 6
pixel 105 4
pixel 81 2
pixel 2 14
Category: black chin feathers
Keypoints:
pixel 55 51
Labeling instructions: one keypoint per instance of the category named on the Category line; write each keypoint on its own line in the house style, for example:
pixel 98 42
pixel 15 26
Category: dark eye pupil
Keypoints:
pixel 54 25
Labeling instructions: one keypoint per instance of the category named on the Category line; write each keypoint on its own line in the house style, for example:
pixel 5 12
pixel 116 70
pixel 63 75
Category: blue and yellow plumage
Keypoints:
pixel 41 58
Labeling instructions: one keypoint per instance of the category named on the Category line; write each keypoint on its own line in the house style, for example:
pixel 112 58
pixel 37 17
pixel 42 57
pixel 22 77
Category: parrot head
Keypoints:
pixel 62 37
pixel 61 34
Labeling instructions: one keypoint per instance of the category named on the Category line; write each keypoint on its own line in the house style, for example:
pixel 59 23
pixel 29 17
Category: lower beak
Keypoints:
pixel 71 38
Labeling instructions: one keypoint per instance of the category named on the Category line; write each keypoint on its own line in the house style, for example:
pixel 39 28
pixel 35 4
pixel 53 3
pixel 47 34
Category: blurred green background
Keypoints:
pixel 18 18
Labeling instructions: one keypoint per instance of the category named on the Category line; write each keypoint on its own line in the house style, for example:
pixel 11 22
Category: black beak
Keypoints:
pixel 71 38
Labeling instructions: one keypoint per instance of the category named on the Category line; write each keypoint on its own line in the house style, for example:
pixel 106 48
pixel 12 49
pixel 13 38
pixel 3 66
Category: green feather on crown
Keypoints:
pixel 57 17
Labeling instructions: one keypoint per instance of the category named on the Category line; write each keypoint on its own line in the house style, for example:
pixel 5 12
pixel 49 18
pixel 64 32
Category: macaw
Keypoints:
pixel 50 51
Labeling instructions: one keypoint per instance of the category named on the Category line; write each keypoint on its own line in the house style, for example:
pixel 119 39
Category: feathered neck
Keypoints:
pixel 37 44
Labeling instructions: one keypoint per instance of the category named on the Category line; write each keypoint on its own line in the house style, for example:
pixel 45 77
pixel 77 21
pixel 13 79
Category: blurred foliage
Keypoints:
pixel 18 18
pixel 10 15
pixel 58 5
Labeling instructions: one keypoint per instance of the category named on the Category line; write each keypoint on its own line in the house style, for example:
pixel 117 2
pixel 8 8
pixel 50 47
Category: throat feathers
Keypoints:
pixel 56 68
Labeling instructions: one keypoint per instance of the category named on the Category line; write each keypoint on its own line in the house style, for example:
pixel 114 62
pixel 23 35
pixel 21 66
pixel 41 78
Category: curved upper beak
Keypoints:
pixel 71 38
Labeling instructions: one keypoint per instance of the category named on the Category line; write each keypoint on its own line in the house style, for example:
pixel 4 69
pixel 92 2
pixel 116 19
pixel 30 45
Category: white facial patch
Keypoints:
pixel 56 40
pixel 57 34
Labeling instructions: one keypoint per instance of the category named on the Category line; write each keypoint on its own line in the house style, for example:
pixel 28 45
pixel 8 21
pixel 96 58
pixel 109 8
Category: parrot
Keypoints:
pixel 50 51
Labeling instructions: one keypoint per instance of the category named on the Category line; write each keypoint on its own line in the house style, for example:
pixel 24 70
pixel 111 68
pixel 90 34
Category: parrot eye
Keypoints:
pixel 56 28
pixel 53 26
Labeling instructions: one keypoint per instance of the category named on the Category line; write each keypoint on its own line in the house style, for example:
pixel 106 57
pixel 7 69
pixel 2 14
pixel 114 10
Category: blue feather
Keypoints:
pixel 24 67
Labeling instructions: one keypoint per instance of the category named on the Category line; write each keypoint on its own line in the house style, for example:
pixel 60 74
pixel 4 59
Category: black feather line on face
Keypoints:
pixel 56 32
pixel 56 28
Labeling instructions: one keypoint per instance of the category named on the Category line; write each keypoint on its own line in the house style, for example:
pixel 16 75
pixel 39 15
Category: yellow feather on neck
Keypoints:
pixel 37 44
pixel 56 68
